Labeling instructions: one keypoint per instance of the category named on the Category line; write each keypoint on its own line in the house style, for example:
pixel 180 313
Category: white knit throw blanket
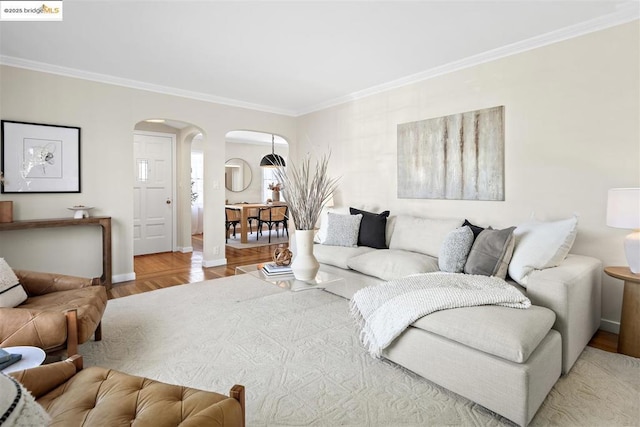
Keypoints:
pixel 384 311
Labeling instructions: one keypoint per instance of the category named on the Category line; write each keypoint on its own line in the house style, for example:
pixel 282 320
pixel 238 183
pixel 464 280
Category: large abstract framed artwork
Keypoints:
pixel 457 157
pixel 39 158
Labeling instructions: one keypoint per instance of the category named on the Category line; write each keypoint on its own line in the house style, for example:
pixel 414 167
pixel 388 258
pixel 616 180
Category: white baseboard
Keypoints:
pixel 123 277
pixel 610 326
pixel 186 249
pixel 214 262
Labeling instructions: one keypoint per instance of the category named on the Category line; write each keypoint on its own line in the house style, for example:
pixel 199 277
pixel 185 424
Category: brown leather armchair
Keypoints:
pixel 94 396
pixel 60 312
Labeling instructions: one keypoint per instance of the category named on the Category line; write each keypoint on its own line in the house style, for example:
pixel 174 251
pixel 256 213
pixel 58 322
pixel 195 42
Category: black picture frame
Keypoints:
pixel 39 158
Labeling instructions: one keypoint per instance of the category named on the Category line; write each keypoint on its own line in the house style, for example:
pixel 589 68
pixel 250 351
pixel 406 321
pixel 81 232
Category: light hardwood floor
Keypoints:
pixel 167 269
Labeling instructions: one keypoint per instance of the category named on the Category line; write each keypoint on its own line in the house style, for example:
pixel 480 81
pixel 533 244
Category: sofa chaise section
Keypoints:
pixel 573 291
pixel 513 390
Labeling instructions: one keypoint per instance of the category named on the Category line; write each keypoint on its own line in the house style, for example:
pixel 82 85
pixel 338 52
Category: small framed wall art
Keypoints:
pixel 39 158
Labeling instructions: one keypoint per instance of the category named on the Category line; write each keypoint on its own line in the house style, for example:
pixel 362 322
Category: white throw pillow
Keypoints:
pixel 342 230
pixel 541 245
pixel 12 293
pixel 424 235
pixel 389 264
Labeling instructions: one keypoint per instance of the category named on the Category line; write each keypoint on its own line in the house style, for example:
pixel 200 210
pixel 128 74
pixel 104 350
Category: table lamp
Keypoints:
pixel 623 211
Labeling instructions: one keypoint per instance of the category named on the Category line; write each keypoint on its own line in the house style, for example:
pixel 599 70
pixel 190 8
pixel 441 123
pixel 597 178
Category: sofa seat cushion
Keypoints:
pixel 99 396
pixel 338 255
pixel 509 333
pixel 389 264
pixel 90 303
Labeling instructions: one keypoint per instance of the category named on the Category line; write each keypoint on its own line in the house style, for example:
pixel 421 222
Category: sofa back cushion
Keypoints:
pixel 423 235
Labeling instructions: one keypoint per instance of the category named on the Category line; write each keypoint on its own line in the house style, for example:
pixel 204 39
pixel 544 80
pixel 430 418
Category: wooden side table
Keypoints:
pixel 629 338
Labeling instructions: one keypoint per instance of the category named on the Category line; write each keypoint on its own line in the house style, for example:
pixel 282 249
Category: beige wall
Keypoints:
pixel 572 132
pixel 107 115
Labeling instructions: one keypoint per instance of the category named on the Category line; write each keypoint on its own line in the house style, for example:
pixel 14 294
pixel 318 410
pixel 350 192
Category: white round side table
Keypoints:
pixel 31 357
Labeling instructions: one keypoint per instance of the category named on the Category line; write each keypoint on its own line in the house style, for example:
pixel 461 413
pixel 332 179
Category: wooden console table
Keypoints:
pixel 102 221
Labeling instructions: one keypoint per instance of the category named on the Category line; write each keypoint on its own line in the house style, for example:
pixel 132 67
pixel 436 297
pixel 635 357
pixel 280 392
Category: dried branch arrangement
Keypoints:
pixel 306 190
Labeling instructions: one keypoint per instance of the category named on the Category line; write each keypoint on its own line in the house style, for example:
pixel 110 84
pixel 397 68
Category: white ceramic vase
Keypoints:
pixel 305 266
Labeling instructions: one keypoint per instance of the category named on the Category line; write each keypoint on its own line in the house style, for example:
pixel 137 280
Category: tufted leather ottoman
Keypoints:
pixel 103 397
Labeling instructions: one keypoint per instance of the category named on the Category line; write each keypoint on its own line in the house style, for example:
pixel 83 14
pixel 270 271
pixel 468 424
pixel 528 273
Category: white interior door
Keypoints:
pixel 153 193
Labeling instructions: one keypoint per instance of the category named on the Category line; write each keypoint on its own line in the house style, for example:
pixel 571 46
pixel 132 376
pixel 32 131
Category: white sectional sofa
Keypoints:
pixel 502 358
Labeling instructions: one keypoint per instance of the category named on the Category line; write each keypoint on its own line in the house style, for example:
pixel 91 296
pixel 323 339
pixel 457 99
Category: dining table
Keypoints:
pixel 245 208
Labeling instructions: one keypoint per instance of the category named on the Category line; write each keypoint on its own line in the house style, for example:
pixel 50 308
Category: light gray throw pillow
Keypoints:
pixel 491 253
pixel 455 249
pixel 342 230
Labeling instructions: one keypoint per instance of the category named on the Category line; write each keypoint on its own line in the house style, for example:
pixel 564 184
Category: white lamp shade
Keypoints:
pixel 623 208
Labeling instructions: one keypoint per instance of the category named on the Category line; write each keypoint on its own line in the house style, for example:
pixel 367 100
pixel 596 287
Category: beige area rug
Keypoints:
pixel 299 357
pixel 263 241
pixel 196 240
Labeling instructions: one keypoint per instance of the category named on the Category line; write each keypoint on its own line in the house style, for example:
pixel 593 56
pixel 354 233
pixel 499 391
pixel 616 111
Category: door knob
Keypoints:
pixel 168 201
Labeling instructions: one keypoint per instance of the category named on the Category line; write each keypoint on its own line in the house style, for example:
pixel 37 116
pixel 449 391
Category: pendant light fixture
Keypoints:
pixel 272 160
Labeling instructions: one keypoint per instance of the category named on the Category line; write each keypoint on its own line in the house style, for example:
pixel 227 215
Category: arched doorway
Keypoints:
pixel 251 147
pixel 161 206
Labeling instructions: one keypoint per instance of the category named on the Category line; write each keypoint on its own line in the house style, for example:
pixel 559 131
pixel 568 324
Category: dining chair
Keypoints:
pixel 252 215
pixel 272 216
pixel 232 217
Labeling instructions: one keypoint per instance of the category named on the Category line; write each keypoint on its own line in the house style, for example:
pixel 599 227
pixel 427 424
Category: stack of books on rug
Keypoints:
pixel 273 269
pixel 7 359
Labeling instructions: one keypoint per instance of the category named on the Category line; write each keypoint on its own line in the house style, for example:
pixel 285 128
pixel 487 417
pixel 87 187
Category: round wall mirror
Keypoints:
pixel 237 175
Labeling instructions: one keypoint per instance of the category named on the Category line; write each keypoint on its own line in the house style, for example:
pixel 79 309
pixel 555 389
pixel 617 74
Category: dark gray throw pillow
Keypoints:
pixel 491 253
pixel 373 228
pixel 475 228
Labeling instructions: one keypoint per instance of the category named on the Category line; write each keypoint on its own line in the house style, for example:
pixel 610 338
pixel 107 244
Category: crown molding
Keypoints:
pixel 626 12
pixel 135 84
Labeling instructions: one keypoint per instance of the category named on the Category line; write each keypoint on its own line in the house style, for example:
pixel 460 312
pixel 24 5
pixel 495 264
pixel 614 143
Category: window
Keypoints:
pixel 143 170
pixel 268 177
